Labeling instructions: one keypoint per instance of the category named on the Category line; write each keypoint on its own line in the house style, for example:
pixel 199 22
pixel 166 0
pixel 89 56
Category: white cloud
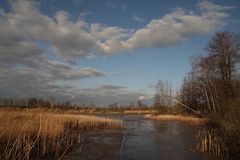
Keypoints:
pixel 208 6
pixel 138 19
pixel 43 80
pixel 179 25
pixel 144 97
pixel 78 39
pixel 24 66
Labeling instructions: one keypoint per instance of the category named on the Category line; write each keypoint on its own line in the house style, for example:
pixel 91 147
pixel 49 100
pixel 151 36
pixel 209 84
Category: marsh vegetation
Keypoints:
pixel 38 134
pixel 189 119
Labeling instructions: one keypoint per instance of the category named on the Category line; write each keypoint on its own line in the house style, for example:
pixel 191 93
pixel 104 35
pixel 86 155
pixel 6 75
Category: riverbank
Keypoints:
pixel 190 119
pixel 36 134
pixel 103 111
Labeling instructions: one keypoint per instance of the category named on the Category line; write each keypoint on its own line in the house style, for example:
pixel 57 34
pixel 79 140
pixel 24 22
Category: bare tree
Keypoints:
pixel 214 79
pixel 223 49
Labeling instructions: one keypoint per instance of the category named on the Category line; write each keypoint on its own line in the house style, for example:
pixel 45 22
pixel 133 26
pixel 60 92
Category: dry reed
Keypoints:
pixel 36 134
pixel 193 120
pixel 212 140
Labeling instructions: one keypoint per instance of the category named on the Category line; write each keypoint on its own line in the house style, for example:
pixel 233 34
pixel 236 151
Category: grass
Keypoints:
pixel 222 136
pixel 212 140
pixel 193 120
pixel 37 134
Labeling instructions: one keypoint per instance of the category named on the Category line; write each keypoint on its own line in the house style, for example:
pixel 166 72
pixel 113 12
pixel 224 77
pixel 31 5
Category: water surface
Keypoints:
pixel 143 139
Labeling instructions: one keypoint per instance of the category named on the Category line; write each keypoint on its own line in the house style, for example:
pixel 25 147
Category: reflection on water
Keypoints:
pixel 153 140
pixel 148 139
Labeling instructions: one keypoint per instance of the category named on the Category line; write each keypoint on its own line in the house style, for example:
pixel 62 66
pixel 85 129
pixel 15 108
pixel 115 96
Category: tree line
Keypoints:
pixel 52 103
pixel 213 88
pixel 34 103
pixel 213 83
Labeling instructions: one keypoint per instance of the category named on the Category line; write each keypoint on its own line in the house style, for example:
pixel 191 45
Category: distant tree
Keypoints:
pixel 32 102
pixel 92 105
pixel 113 106
pixel 157 101
pixel 68 104
pixel 52 101
pixel 139 103
pixel 163 96
pixel 132 105
pixel 157 96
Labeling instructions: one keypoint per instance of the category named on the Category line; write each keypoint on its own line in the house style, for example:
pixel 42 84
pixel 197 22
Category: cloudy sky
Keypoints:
pixel 104 50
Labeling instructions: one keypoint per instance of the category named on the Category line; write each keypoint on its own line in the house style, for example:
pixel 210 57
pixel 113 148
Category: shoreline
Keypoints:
pixel 37 134
pixel 181 118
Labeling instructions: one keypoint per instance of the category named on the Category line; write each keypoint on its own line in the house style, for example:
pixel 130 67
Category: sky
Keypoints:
pixel 104 51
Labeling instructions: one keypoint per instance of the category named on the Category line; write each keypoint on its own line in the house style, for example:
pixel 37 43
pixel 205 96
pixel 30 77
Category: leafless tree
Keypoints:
pixel 214 79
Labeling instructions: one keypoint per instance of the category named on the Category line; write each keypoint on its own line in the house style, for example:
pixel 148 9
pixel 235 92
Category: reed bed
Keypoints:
pixel 36 134
pixel 193 120
pixel 212 140
pixel 222 142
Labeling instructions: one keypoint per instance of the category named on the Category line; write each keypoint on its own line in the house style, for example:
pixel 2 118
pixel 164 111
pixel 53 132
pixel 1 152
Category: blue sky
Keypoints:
pixel 104 51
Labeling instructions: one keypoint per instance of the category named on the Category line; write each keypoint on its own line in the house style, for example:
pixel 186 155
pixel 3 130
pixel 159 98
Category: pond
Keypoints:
pixel 141 139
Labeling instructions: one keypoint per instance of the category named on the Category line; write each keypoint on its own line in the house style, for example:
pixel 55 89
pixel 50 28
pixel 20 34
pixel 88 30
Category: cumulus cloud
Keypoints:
pixel 78 39
pixel 25 82
pixel 71 73
pixel 206 5
pixel 179 25
pixel 26 69
pixel 42 81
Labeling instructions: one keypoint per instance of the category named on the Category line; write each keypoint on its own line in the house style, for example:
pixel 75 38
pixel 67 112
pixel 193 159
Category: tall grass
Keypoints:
pixel 36 134
pixel 221 138
pixel 194 120
pixel 212 140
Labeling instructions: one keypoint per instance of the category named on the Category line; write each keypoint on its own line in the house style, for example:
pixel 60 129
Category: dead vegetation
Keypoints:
pixel 193 120
pixel 37 134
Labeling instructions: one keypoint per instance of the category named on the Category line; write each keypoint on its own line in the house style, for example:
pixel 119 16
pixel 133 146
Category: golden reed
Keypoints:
pixel 37 134
pixel 193 120
pixel 212 140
